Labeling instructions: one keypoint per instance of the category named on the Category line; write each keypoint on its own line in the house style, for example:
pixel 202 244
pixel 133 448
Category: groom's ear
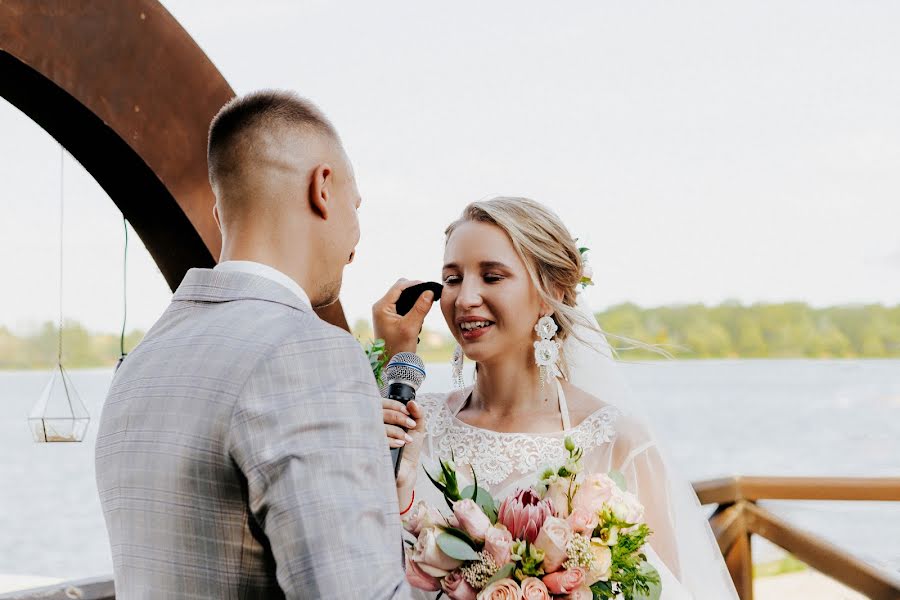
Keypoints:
pixel 321 188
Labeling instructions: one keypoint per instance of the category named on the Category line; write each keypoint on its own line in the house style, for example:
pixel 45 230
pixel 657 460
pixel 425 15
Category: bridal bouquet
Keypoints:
pixel 569 536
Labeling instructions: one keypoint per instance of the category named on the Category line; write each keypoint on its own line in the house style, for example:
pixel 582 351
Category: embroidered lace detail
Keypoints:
pixel 495 456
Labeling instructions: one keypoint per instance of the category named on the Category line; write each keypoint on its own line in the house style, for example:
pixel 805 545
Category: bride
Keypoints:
pixel 508 262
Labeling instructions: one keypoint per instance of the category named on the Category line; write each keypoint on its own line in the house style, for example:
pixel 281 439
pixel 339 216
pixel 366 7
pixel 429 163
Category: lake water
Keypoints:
pixel 765 417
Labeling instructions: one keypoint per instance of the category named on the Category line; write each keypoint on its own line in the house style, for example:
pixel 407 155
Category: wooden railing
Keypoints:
pixel 738 517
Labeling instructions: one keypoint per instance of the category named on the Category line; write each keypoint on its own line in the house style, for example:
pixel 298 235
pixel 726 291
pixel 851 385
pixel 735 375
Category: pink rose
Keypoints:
pixel 583 521
pixel 534 589
pixel 597 490
pixel 557 495
pixel 553 539
pixel 582 593
pixel 523 514
pixel 563 582
pixel 602 562
pixel 502 589
pixel 498 542
pixel 422 515
pixel 471 518
pixel 457 588
pixel 430 557
pixel 419 578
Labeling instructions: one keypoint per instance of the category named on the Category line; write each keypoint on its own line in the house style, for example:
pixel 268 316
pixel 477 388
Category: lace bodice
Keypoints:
pixel 496 457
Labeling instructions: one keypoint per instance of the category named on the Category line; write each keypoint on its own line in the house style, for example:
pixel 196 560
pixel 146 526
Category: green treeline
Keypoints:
pixel 81 349
pixel 730 330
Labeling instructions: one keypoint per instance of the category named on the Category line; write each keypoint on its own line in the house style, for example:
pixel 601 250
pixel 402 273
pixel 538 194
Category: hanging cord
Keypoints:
pixel 124 291
pixel 62 164
pixel 62 157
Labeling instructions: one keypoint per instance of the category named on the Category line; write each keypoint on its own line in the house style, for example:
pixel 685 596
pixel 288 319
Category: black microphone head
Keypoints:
pixel 405 367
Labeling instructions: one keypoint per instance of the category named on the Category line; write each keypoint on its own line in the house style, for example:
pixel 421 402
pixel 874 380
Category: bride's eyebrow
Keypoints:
pixel 493 264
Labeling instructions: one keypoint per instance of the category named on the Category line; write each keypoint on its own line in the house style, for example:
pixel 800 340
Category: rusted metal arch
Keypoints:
pixel 124 88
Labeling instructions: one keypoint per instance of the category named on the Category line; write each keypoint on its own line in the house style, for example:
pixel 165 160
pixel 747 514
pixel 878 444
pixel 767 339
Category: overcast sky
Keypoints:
pixel 704 150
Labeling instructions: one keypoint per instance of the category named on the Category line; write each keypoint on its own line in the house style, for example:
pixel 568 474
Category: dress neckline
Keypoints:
pixel 564 413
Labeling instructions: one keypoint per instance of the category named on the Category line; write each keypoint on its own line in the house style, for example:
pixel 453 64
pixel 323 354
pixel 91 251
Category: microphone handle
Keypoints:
pixel 401 392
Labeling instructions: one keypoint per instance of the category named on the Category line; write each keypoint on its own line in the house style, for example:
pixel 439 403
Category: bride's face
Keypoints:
pixel 488 301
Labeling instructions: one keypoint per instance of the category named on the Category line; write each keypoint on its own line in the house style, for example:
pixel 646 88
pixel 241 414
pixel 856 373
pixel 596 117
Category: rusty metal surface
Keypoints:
pixel 132 65
pixel 130 95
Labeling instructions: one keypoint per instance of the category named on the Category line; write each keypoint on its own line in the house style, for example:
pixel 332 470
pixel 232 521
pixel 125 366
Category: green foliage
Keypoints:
pixel 732 330
pixel 632 576
pixel 375 351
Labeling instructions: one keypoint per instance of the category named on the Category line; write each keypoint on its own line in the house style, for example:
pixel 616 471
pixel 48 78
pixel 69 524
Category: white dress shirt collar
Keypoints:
pixel 261 270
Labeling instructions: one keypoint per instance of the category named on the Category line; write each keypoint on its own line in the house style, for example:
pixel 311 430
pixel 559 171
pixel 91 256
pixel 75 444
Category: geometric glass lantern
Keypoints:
pixel 59 415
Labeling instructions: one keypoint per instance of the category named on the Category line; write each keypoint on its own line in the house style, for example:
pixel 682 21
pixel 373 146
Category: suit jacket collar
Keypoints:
pixel 207 285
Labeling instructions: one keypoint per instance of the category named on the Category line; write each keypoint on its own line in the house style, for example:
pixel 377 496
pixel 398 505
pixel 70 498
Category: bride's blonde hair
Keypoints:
pixel 547 249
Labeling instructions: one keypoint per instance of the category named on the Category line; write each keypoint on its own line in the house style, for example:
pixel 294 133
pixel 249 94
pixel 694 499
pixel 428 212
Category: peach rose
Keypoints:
pixel 553 538
pixel 430 557
pixel 457 588
pixel 564 582
pixel 602 562
pixel 626 506
pixel 420 579
pixel 534 589
pixel 556 493
pixel 583 521
pixel 502 589
pixel 422 515
pixel 471 518
pixel 597 490
pixel 498 543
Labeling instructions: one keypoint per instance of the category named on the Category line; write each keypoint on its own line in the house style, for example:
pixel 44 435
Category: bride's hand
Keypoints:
pixel 396 419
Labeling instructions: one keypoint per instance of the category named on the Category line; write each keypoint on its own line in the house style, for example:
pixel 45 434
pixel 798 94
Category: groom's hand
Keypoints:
pixel 400 332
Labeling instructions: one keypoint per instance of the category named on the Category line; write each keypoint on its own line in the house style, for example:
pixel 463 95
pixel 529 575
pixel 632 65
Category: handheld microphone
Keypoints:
pixel 403 375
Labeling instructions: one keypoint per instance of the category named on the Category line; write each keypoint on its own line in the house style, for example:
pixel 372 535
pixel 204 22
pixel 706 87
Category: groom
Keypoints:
pixel 241 452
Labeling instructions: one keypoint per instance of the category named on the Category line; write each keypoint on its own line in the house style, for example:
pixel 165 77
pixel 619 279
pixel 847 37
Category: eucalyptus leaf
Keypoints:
pixel 504 572
pixel 456 548
pixel 653 582
pixel 461 535
pixel 619 479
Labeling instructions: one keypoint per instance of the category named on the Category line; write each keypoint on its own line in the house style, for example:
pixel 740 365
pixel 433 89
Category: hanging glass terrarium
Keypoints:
pixel 59 415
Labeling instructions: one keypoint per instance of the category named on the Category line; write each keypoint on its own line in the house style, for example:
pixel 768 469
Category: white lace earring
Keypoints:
pixel 546 350
pixel 457 362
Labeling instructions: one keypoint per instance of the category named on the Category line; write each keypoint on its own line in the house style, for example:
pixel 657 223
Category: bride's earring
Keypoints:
pixel 546 350
pixel 457 363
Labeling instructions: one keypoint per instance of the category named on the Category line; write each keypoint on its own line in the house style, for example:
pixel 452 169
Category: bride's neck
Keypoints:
pixel 510 387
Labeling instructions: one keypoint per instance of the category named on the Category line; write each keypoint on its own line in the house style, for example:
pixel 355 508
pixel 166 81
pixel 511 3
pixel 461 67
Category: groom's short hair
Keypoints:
pixel 236 126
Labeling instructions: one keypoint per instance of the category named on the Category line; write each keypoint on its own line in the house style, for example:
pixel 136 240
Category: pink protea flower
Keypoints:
pixel 523 514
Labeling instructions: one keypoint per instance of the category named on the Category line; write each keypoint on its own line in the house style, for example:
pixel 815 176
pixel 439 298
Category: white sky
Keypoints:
pixel 708 151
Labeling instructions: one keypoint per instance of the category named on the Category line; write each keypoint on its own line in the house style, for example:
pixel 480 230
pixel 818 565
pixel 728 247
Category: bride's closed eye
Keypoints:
pixel 488 278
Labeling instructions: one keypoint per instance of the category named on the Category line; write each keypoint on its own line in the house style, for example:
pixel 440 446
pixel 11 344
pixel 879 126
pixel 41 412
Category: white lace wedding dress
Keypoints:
pixel 504 462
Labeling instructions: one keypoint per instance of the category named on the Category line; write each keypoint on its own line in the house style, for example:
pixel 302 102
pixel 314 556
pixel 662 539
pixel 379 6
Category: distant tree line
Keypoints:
pixel 81 348
pixel 732 330
pixel 729 330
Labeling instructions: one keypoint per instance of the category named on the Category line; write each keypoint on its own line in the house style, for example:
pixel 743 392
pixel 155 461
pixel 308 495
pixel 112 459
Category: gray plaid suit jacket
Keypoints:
pixel 241 454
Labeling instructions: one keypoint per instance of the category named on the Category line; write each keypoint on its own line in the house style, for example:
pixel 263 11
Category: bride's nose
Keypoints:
pixel 469 294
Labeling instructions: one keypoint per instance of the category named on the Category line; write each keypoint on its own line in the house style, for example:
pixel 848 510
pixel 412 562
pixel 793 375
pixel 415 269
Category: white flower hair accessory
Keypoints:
pixel 587 273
